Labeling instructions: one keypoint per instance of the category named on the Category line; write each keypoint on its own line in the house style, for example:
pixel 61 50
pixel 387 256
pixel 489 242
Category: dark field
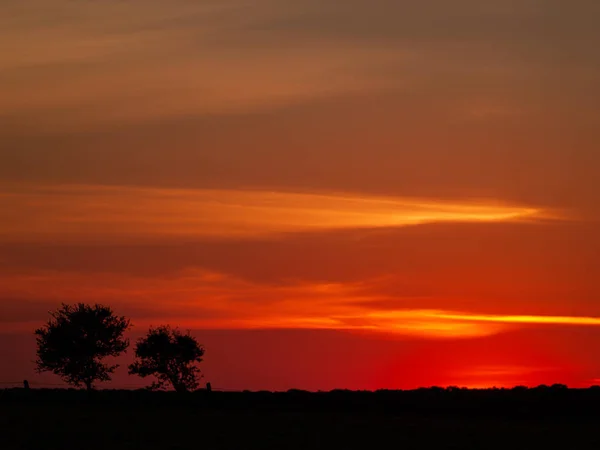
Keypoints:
pixel 419 420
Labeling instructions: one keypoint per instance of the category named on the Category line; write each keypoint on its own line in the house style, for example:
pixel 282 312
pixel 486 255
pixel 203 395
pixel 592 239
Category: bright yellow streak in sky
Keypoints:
pixel 441 323
pixel 522 319
pixel 102 211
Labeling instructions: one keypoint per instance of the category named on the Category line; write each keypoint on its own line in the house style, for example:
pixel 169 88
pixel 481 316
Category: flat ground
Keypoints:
pixel 85 426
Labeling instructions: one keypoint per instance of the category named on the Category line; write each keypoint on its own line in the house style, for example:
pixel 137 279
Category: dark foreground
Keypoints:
pixel 427 419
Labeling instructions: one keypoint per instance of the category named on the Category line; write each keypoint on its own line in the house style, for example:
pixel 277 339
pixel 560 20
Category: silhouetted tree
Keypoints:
pixel 170 356
pixel 75 341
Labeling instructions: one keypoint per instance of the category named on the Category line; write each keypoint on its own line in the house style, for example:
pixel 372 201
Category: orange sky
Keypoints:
pixel 368 194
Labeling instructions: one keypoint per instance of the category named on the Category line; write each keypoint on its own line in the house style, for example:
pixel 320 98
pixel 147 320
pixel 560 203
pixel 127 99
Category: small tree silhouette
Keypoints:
pixel 170 356
pixel 76 339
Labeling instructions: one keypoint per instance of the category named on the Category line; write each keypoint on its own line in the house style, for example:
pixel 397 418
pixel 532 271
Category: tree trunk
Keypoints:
pixel 180 388
pixel 88 385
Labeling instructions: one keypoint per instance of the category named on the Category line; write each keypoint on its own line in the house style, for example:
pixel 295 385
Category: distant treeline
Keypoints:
pixel 541 401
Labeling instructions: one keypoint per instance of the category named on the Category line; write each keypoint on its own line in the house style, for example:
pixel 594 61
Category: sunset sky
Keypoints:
pixel 331 194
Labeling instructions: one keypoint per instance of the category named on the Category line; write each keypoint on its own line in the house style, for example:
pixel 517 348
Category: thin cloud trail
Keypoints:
pixel 110 211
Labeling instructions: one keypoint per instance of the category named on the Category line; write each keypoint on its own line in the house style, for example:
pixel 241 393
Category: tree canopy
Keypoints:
pixel 77 339
pixel 170 356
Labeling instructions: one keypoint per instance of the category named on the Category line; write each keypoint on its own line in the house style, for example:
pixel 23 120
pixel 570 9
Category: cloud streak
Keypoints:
pixel 100 65
pixel 114 63
pixel 199 298
pixel 102 212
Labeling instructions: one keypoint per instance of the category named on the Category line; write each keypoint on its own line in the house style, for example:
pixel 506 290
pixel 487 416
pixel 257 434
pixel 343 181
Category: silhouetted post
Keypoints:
pixel 208 387
pixel 26 385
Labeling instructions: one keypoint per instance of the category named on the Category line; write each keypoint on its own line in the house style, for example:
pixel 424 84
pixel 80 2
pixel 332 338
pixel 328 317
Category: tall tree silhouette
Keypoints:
pixel 170 356
pixel 75 341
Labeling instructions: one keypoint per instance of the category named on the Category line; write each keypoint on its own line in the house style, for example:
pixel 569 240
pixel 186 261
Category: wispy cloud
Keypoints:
pixel 101 212
pixel 120 62
pixel 113 62
pixel 197 298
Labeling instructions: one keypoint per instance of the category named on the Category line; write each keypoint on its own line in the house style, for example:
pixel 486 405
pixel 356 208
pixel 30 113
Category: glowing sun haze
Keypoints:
pixel 358 194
